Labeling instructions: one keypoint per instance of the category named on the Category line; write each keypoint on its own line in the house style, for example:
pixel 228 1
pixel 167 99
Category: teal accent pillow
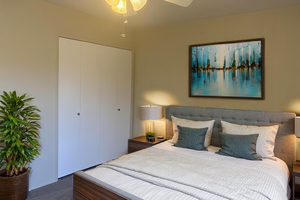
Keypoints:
pixel 191 138
pixel 239 146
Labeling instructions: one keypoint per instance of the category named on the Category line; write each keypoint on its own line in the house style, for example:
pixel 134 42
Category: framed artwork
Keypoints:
pixel 227 69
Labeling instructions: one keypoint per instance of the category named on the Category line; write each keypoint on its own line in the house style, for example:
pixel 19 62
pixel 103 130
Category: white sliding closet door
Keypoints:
pixel 68 106
pixel 123 102
pixel 94 104
pixel 90 104
pixel 115 102
pixel 108 117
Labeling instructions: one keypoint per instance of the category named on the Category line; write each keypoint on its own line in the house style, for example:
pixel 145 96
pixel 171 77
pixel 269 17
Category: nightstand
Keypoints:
pixel 140 143
pixel 296 180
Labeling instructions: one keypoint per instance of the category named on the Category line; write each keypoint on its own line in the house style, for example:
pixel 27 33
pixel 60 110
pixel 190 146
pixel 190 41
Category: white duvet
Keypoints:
pixel 179 184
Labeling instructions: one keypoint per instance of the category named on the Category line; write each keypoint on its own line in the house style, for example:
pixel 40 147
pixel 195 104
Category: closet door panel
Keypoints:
pixel 94 104
pixel 108 118
pixel 68 106
pixel 90 105
pixel 123 101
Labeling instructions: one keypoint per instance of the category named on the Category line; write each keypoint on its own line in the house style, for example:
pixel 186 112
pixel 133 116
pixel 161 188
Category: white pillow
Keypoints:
pixel 192 124
pixel 266 136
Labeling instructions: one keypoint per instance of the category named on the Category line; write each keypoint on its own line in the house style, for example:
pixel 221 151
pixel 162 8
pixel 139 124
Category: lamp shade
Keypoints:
pixel 113 2
pixel 297 126
pixel 150 112
pixel 138 4
pixel 121 7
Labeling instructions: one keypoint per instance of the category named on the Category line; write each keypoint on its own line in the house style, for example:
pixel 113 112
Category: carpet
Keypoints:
pixel 60 190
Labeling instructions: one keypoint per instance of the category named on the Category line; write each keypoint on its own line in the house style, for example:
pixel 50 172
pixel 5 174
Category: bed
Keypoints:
pixel 167 172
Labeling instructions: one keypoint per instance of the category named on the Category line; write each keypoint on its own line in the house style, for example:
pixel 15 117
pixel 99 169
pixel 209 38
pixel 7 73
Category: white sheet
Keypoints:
pixel 145 190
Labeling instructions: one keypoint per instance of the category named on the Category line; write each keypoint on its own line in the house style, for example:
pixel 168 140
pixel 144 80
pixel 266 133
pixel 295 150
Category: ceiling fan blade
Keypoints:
pixel 130 10
pixel 183 3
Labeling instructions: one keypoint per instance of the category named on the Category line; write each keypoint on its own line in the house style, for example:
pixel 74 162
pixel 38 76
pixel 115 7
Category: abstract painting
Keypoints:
pixel 227 69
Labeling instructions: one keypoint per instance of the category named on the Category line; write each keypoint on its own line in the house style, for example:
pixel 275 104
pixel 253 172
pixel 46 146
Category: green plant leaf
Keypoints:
pixel 5 94
pixel 16 152
pixel 21 149
pixel 13 144
pixel 19 143
pixel 35 152
pixel 28 99
pixel 8 165
pixel 14 94
pixel 4 103
pixel 15 121
pixel 9 151
pixel 27 151
pixel 33 133
pixel 23 96
pixel 34 143
pixel 21 161
pixel 6 131
pixel 7 139
pixel 15 164
pixel 3 152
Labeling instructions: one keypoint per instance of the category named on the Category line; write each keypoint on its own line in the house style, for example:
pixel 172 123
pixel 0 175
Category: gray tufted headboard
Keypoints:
pixel 285 145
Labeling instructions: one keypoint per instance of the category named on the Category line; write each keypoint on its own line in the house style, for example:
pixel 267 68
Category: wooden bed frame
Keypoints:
pixel 285 147
pixel 83 189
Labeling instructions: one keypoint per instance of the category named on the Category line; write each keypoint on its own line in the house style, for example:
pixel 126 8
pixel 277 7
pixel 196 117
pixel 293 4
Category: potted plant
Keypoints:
pixel 19 131
pixel 150 136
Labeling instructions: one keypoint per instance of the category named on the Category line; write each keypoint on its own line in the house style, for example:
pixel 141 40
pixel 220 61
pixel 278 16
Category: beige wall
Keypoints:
pixel 29 62
pixel 161 62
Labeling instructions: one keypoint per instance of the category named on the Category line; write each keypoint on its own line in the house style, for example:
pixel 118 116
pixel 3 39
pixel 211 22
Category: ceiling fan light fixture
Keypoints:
pixel 112 2
pixel 138 4
pixel 121 7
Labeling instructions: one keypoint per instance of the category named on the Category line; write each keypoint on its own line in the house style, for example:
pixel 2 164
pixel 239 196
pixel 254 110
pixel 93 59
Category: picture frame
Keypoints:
pixel 233 69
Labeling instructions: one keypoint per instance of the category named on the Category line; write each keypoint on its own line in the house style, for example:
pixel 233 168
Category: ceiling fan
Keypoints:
pixel 183 3
pixel 119 6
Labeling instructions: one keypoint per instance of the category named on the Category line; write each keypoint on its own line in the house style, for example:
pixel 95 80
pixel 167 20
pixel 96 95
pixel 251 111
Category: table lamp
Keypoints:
pixel 150 113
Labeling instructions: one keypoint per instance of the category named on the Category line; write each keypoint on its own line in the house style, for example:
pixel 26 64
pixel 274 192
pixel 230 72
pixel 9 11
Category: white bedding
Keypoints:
pixel 145 190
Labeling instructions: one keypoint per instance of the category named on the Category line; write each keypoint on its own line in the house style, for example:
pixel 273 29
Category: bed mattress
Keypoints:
pixel 165 181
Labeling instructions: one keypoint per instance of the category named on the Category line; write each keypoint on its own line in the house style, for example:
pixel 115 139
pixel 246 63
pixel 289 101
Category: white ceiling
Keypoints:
pixel 159 12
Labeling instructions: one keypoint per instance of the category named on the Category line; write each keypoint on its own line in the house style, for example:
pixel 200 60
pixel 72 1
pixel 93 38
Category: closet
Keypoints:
pixel 94 104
